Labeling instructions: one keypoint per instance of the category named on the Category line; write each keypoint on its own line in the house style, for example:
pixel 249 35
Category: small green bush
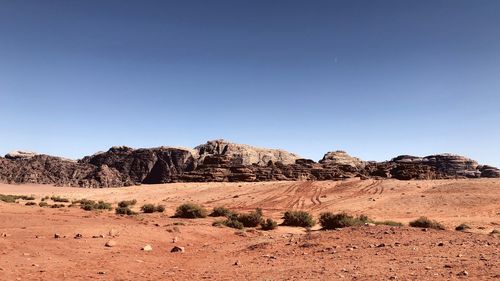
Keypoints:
pixel 233 223
pixel 218 223
pixel 221 212
pixel 298 218
pixel 13 198
pixel 269 224
pixel 127 203
pixel 251 219
pixel 462 227
pixel 424 222
pixel 43 204
pixel 151 208
pixel 388 222
pixel 101 205
pixel 55 206
pixel 8 198
pixel 59 199
pixel 190 211
pixel 148 208
pixel 329 220
pixel 124 211
pixel 89 205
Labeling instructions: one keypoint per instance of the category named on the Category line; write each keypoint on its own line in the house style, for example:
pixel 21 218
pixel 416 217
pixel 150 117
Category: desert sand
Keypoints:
pixel 29 250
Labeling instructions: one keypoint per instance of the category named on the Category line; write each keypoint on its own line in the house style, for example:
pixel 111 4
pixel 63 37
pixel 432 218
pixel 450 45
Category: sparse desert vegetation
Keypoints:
pixel 90 205
pixel 298 218
pixel 329 220
pixel 221 212
pixel 424 222
pixel 252 219
pixel 151 208
pixel 190 211
pixel 14 198
pixel 59 199
pixel 462 227
pixel 124 211
pixel 269 224
pixel 127 203
pixel 237 248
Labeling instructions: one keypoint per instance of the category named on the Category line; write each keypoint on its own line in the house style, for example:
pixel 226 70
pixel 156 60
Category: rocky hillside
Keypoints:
pixel 219 160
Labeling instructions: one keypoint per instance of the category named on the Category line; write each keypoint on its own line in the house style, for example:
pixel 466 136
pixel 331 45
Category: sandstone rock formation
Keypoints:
pixel 44 169
pixel 20 154
pixel 222 161
pixel 340 157
pixel 241 154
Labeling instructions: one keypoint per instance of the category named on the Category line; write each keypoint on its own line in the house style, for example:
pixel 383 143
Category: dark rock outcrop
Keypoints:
pixel 44 169
pixel 489 172
pixel 155 165
pixel 222 161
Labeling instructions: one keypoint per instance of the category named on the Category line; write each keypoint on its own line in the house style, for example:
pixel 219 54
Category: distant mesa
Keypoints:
pixel 223 161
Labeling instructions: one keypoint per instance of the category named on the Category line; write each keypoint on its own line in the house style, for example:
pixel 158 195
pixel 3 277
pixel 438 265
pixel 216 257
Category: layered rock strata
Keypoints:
pixel 221 161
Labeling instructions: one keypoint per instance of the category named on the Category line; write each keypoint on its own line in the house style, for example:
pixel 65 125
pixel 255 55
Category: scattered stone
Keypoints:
pixel 78 236
pixel 177 249
pixel 3 235
pixel 110 243
pixel 440 244
pixel 113 233
pixel 463 273
pixel 269 257
pixel 381 245
pixel 57 236
pixel 147 248
pixel 175 239
pixel 101 272
pixel 238 263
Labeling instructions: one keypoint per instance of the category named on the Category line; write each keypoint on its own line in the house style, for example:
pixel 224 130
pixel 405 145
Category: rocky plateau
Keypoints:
pixel 222 161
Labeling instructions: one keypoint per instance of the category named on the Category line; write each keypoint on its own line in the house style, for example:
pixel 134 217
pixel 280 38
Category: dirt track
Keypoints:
pixel 283 254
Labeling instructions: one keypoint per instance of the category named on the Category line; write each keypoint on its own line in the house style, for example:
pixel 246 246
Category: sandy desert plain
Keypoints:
pixel 29 250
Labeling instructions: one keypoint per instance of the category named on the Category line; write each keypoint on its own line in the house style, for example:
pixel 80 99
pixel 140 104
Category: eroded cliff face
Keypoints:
pixel 223 161
pixel 242 154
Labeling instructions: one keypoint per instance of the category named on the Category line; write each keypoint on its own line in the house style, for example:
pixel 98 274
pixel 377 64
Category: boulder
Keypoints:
pixel 177 249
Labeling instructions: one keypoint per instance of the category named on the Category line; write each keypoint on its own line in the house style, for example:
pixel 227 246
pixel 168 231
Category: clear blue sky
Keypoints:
pixel 375 78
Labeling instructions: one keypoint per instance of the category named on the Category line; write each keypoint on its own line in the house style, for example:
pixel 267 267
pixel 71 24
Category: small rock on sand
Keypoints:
pixel 177 249
pixel 110 243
